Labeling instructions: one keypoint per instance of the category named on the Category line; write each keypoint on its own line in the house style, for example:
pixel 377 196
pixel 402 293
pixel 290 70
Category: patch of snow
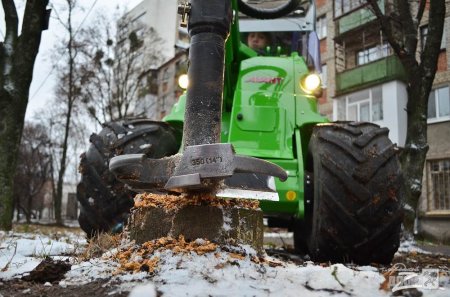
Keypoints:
pixel 120 136
pixel 145 146
pixel 279 235
pixel 200 241
pixel 22 252
pixel 416 185
pixel 409 246
pixel 408 207
pixel 215 274
pixel 227 222
pixel 366 268
pixel 145 290
pixel 89 271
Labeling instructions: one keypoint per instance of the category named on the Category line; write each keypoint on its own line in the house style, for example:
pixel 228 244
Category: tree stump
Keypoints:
pixel 218 220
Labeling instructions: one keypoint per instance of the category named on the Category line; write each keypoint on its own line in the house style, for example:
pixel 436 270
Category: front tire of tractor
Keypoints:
pixel 357 198
pixel 105 201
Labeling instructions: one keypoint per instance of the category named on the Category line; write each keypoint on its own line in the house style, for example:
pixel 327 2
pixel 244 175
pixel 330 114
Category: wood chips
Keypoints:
pixel 141 258
pixel 172 202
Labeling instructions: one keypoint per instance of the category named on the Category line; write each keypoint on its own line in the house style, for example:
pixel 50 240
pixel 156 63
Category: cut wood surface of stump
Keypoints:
pixel 223 221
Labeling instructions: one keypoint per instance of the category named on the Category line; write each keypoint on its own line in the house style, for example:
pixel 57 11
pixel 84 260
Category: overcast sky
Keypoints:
pixel 42 85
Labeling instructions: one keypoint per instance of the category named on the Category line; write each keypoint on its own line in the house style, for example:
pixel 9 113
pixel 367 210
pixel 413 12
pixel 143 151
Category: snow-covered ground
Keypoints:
pixel 22 252
pixel 217 273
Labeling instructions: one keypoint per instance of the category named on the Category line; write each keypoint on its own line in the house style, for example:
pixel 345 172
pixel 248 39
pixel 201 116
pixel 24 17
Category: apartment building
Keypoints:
pixel 162 58
pixel 365 81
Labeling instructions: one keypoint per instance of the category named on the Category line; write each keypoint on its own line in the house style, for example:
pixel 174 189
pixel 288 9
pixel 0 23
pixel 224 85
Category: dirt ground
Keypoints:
pixel 19 288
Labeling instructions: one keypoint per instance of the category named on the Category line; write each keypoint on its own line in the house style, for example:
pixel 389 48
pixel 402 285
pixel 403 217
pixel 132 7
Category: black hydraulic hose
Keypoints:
pixel 268 13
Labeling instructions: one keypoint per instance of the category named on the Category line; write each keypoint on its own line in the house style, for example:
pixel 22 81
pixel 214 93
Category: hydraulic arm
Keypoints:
pixel 204 162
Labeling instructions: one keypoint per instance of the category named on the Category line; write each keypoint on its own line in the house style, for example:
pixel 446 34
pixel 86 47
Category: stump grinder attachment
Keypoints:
pixel 204 162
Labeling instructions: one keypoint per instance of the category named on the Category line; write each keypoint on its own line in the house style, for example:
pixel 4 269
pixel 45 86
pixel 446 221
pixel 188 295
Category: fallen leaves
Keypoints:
pixel 173 202
pixel 386 284
pixel 237 256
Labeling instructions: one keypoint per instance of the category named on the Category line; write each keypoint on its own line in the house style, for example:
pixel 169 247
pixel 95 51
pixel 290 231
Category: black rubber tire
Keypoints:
pixel 105 201
pixel 300 231
pixel 268 13
pixel 357 206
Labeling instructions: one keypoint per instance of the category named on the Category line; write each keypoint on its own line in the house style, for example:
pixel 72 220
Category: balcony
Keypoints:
pixel 357 18
pixel 377 72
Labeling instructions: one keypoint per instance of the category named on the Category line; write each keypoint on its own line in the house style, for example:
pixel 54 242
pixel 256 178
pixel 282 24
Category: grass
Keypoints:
pixel 100 244
pixel 426 240
pixel 51 231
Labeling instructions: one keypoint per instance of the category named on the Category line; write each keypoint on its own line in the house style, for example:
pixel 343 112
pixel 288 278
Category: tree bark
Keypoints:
pixel 17 57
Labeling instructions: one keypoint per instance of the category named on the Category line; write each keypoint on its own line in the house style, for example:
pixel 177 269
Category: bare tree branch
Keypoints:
pixel 433 45
pixel 420 11
pixel 408 27
pixel 386 26
pixel 11 20
pixel 7 48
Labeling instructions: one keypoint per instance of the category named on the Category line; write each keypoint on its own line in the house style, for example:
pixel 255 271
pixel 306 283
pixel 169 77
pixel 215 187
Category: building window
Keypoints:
pixel 372 54
pixel 424 35
pixel 362 106
pixel 321 27
pixel 343 6
pixel 438 179
pixel 323 76
pixel 439 105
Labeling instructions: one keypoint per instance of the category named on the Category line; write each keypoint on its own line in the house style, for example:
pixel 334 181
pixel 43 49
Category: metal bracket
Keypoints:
pixel 183 10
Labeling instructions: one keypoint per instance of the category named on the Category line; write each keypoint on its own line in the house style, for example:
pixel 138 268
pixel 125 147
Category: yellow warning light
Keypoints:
pixel 183 81
pixel 310 83
pixel 291 195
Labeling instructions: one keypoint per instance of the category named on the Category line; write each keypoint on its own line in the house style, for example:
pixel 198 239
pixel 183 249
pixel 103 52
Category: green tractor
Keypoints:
pixel 247 117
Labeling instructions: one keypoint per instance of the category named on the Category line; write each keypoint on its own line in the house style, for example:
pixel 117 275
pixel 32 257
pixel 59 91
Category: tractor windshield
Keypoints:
pixel 272 43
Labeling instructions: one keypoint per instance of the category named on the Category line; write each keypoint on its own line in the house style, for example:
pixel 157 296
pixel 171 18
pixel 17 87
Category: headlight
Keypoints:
pixel 310 83
pixel 183 81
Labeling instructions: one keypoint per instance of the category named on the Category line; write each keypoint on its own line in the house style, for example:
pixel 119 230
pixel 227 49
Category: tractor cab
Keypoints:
pixel 294 33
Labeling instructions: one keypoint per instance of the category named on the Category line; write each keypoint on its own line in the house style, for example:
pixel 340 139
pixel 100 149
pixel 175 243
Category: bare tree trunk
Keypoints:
pixel 29 208
pixel 10 133
pixel 414 154
pixel 70 102
pixel 62 169
pixel 401 30
pixel 17 57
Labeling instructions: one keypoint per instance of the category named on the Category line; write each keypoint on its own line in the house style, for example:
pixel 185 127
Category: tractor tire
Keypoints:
pixel 357 207
pixel 105 201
